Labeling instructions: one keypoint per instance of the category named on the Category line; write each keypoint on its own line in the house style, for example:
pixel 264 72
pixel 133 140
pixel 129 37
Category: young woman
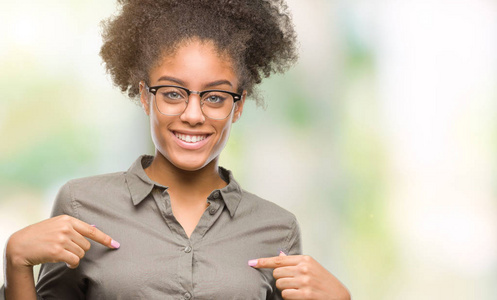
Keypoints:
pixel 176 225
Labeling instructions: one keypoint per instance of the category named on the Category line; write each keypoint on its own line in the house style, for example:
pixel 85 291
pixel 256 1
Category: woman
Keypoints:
pixel 176 224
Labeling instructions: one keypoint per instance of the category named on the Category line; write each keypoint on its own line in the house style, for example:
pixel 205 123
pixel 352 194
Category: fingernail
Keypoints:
pixel 115 244
pixel 282 253
pixel 93 226
pixel 68 265
pixel 252 262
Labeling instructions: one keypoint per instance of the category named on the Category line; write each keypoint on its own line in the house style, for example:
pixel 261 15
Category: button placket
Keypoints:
pixel 214 205
pixel 212 210
pixel 185 270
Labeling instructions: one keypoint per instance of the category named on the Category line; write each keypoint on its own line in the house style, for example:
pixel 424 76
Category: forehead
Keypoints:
pixel 195 61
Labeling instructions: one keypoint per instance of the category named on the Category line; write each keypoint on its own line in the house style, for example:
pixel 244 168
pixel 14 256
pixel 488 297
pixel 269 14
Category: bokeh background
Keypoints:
pixel 381 140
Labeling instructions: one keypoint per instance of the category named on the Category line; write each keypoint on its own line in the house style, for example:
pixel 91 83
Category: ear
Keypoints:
pixel 144 98
pixel 239 107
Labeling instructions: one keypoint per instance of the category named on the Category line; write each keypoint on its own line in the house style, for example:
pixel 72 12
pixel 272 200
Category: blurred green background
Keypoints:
pixel 382 139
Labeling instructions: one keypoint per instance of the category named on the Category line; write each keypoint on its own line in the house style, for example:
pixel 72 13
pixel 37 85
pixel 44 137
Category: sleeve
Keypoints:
pixel 293 247
pixel 56 280
pixel 294 244
pixel 2 293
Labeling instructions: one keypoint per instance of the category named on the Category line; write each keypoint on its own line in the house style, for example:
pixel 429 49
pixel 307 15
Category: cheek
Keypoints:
pixel 224 135
pixel 157 131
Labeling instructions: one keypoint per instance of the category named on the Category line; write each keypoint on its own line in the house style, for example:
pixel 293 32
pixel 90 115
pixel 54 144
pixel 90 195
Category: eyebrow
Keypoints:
pixel 219 82
pixel 182 83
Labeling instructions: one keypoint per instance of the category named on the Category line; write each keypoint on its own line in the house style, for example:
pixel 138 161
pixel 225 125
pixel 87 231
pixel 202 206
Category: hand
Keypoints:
pixel 301 277
pixel 60 238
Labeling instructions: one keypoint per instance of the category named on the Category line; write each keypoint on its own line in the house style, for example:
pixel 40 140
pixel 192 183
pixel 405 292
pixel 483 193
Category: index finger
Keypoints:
pixel 94 234
pixel 275 261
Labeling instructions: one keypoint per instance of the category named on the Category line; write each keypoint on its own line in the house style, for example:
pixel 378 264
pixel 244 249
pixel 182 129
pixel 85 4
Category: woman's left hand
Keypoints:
pixel 301 277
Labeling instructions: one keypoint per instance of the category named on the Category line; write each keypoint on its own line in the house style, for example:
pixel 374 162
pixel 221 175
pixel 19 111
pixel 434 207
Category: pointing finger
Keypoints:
pixel 95 234
pixel 275 262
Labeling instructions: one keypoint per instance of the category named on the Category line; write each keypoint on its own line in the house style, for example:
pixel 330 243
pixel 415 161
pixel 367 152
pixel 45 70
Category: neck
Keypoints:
pixel 197 184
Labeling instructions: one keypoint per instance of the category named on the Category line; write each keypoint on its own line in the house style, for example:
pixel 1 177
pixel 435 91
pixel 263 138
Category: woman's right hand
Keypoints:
pixel 61 238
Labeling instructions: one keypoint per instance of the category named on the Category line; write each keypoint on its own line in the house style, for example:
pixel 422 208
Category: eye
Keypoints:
pixel 215 98
pixel 172 95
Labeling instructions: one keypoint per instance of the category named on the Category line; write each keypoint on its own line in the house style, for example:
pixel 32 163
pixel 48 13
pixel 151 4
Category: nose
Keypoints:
pixel 193 114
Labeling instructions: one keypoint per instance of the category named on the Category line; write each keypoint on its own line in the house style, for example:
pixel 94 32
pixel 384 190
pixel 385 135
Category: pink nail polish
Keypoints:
pixel 282 253
pixel 115 244
pixel 252 262
pixel 93 226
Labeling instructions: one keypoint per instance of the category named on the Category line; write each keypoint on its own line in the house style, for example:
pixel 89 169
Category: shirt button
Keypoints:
pixel 188 249
pixel 187 296
pixel 215 194
pixel 212 210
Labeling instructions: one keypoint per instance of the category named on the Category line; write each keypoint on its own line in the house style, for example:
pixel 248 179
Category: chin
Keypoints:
pixel 190 165
pixel 189 168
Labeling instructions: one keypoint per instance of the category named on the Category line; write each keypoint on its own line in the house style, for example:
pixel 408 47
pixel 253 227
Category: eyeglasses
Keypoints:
pixel 172 100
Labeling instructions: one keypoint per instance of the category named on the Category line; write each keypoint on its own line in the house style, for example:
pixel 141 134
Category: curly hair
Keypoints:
pixel 258 35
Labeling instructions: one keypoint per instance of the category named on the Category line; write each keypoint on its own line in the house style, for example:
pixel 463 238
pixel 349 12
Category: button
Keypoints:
pixel 215 194
pixel 188 249
pixel 212 210
pixel 187 296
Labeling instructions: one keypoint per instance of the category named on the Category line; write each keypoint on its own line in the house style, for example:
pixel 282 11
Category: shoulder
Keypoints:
pixel 96 181
pixel 280 224
pixel 264 208
pixel 249 204
pixel 95 184
pixel 88 188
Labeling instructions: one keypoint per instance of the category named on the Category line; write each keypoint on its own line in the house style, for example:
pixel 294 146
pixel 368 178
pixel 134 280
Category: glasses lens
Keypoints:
pixel 171 100
pixel 217 105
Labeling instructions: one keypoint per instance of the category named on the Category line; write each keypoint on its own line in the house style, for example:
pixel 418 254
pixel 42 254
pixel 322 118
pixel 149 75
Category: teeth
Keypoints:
pixel 190 138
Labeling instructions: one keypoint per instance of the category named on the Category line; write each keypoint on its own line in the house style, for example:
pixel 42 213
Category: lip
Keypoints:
pixel 190 146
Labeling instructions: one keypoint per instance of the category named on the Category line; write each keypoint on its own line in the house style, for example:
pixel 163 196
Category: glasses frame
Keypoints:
pixel 155 88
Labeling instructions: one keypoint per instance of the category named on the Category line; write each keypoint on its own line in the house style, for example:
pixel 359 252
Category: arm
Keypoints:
pixel 293 246
pixel 19 281
pixel 300 276
pixel 58 239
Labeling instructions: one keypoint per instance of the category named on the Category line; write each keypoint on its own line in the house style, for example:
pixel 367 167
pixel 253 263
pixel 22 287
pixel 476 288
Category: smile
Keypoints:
pixel 190 138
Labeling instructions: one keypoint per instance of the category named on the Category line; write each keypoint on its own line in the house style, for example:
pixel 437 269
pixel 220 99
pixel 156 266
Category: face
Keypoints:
pixel 191 141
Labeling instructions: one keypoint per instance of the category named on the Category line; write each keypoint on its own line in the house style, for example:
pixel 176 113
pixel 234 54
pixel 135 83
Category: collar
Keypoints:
pixel 232 193
pixel 140 185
